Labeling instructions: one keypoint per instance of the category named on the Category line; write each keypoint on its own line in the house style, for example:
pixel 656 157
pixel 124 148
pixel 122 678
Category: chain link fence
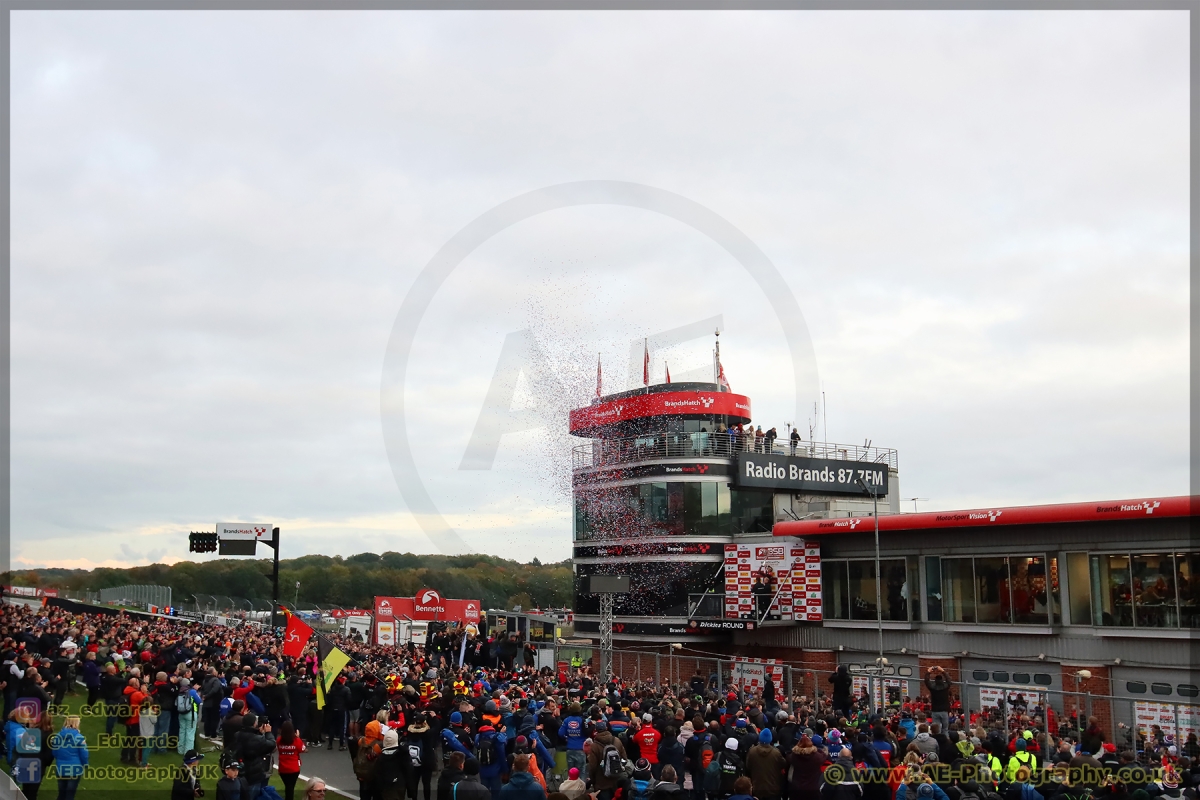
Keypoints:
pixel 137 595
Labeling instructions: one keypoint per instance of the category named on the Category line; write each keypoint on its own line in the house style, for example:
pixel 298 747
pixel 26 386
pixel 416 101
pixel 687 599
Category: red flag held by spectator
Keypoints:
pixel 295 637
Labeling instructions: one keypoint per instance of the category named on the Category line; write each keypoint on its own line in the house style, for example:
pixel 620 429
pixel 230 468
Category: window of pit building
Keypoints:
pixel 654 509
pixel 933 588
pixel 849 589
pixel 1137 590
pixel 999 590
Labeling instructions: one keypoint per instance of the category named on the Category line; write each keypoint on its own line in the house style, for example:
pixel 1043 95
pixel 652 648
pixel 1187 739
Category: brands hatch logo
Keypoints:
pixel 707 401
pixel 991 516
pixel 850 523
pixel 1146 505
pixel 521 353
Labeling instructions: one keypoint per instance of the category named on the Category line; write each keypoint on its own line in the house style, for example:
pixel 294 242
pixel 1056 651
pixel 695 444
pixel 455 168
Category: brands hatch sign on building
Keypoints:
pixel 811 475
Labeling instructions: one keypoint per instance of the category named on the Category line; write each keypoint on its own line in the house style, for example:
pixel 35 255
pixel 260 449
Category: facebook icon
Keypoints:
pixel 28 770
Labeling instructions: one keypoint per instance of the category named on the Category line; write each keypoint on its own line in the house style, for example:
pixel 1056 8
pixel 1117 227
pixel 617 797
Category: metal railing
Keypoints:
pixel 676 669
pixel 137 594
pixel 654 446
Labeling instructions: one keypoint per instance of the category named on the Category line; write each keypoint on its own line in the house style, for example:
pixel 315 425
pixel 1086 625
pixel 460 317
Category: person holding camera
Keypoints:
pixel 254 747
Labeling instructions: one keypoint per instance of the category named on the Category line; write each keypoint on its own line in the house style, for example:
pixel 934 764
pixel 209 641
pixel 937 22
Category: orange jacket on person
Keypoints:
pixel 896 776
pixel 133 699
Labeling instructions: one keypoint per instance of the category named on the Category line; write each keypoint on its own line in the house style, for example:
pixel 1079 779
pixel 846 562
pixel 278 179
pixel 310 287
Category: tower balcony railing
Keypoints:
pixel 599 453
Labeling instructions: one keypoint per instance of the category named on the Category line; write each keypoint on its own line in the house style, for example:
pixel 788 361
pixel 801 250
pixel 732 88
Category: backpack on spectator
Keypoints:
pixel 706 753
pixel 487 752
pixel 612 762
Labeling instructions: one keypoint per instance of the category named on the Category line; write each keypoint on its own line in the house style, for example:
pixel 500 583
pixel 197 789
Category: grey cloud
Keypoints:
pixel 215 217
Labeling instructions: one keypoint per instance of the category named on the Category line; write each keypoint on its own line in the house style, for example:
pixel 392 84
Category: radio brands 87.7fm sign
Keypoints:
pixel 816 475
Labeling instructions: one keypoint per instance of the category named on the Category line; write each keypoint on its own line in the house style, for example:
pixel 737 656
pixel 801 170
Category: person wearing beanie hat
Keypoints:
pixel 1021 758
pixel 573 787
pixel 455 738
pixel 805 765
pixel 765 767
pixel 730 765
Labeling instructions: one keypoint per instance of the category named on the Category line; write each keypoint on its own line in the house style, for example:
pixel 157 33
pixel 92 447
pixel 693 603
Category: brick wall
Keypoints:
pixel 814 670
pixel 1099 684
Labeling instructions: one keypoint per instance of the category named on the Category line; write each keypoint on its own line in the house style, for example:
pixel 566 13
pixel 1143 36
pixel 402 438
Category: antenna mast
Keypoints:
pixel 717 358
pixel 825 418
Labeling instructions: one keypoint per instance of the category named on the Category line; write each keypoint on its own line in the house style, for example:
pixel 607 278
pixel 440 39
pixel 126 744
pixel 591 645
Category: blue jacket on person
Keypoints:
pixel 910 729
pixel 91 674
pixel 452 742
pixel 510 729
pixel 522 786
pixel 70 752
pixel 255 703
pixel 573 732
pixel 545 757
pixel 488 737
pixel 12 732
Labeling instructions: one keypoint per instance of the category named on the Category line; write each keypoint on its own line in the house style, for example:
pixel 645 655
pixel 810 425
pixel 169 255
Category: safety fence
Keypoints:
pixel 137 594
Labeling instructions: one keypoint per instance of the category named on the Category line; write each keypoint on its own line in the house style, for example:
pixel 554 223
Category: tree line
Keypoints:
pixel 332 580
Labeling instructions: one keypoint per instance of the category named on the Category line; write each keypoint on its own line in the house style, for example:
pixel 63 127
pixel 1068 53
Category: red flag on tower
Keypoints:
pixel 724 384
pixel 646 363
pixel 668 368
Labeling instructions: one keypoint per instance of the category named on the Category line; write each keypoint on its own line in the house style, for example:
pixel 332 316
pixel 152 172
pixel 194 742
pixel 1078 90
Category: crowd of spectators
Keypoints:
pixel 476 720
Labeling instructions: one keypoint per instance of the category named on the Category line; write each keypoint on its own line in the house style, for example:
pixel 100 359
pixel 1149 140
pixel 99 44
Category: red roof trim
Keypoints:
pixel 660 404
pixel 1153 508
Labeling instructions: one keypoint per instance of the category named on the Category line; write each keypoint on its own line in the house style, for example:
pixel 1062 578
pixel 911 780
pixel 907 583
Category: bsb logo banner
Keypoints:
pixel 784 575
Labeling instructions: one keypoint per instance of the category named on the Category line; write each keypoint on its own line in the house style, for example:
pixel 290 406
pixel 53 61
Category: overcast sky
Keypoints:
pixel 216 217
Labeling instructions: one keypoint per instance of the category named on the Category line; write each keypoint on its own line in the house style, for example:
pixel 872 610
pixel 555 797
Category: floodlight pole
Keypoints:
pixel 606 640
pixel 878 578
pixel 274 544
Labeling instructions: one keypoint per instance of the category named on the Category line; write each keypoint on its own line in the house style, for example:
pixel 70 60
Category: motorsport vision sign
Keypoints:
pixel 811 475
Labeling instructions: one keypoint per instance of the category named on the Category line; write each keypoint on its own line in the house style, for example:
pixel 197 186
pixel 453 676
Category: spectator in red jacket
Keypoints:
pixel 647 739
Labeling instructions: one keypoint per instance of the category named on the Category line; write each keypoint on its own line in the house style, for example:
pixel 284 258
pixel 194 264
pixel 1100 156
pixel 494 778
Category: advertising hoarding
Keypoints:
pixel 785 574
pixel 245 531
pixel 750 674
